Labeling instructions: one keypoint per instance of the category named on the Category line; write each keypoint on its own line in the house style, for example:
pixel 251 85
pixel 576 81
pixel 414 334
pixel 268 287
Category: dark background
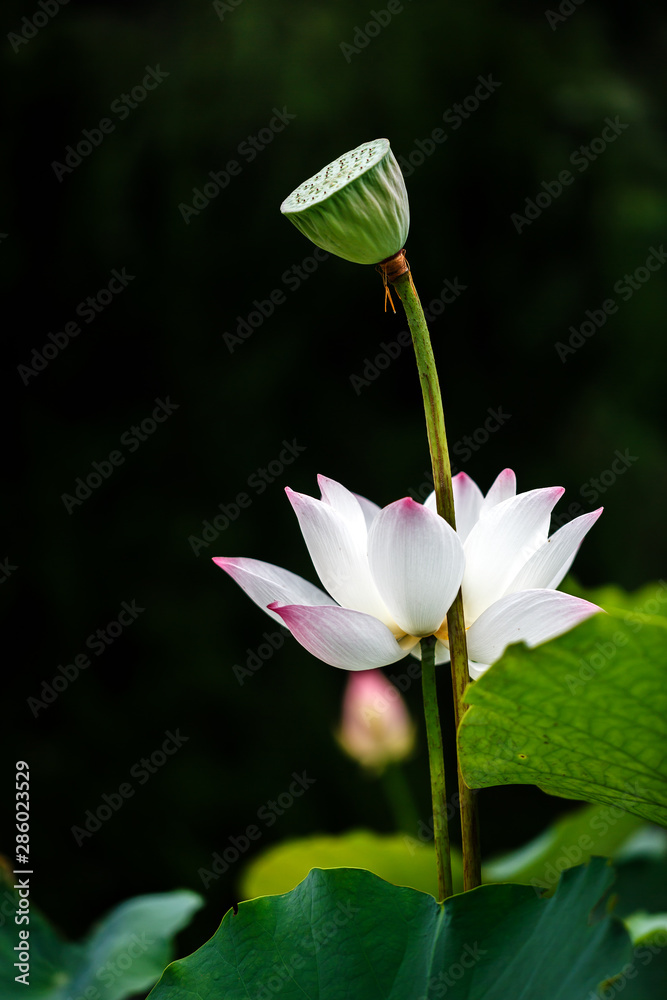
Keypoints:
pixel 163 336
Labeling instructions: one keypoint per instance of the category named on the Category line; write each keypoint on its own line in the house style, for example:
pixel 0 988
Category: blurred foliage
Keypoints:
pixel 123 955
pixel 291 380
pixel 396 858
pixel 404 859
pixel 638 850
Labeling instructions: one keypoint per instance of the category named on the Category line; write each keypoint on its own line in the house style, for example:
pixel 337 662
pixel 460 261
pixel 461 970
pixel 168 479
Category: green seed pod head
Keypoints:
pixel 357 207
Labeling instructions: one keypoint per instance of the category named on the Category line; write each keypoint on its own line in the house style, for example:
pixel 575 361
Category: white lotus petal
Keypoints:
pixel 468 500
pixel 417 563
pixel 431 503
pixel 547 567
pixel 346 504
pixel 503 487
pixel 531 616
pixel 343 638
pixel 477 669
pixel 337 546
pixel 370 509
pixel 265 584
pixel 503 539
pixel 442 654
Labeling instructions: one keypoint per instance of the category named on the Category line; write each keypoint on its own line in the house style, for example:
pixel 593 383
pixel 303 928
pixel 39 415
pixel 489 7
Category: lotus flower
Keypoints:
pixel 393 573
pixel 513 567
pixel 376 728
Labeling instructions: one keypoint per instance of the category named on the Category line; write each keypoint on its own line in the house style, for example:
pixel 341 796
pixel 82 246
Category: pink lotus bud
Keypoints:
pixel 376 728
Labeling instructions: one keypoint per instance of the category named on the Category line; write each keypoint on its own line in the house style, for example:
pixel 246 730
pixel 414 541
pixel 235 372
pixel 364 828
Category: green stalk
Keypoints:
pixel 442 478
pixel 437 767
pixel 399 797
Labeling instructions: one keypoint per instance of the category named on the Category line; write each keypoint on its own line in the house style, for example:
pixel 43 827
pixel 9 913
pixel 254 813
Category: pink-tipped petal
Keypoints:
pixel 531 616
pixel 346 505
pixel 337 545
pixel 346 639
pixel 468 500
pixel 417 564
pixel 547 567
pixel 502 488
pixel 503 539
pixel 265 584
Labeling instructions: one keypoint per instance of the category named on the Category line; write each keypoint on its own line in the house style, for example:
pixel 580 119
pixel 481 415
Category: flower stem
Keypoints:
pixel 442 479
pixel 399 797
pixel 437 768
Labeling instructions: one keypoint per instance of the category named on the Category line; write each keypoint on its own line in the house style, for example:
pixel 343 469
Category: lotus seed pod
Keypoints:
pixel 356 207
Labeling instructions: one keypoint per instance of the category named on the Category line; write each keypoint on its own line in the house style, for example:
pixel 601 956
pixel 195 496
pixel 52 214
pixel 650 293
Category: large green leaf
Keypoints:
pixel 397 858
pixel 345 933
pixel 123 955
pixel 584 716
